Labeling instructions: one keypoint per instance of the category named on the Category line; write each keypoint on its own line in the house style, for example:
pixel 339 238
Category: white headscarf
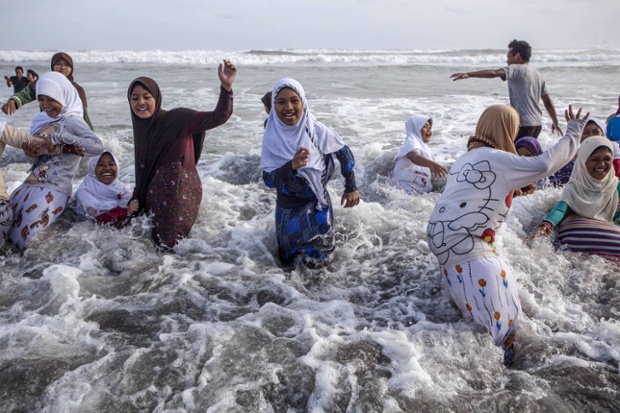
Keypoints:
pixel 589 197
pixel 58 87
pixel 598 123
pixel 281 141
pixel 413 139
pixel 94 194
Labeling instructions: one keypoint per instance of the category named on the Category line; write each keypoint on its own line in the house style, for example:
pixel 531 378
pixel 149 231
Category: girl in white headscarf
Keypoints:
pixel 101 195
pixel 43 197
pixel 587 217
pixel 297 161
pixel 415 162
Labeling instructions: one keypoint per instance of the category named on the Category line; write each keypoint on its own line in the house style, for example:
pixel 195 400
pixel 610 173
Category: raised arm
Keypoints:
pixel 483 74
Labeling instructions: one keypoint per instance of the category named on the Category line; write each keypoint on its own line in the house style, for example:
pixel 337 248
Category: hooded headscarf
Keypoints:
pixel 497 128
pixel 57 87
pixel 530 143
pixel 153 137
pixel 598 123
pixel 95 194
pixel 68 59
pixel 281 142
pixel 589 197
pixel 413 140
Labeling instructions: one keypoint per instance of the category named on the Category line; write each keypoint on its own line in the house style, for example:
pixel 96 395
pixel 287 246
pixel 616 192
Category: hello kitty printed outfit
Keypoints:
pixel 462 227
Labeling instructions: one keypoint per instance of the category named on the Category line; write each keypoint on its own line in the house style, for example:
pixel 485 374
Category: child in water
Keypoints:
pixel 415 163
pixel 101 195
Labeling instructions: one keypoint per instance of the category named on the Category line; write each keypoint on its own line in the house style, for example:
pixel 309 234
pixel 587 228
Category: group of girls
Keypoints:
pixel 167 146
pixel 298 160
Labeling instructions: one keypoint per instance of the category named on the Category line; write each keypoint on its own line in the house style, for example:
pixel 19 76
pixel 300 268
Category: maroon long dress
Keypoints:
pixel 168 147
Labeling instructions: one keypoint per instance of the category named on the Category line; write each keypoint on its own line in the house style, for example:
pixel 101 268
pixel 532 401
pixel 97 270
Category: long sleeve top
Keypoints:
pixel 13 137
pixel 562 210
pixel 57 172
pixel 294 191
pixel 478 196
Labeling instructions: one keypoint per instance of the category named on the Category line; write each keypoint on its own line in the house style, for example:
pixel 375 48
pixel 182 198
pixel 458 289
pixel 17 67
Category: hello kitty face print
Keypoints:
pixel 473 212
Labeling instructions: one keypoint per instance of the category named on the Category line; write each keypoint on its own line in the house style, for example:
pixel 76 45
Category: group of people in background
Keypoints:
pixel 19 81
pixel 504 159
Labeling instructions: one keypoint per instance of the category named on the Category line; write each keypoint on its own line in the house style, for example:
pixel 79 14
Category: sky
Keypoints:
pixel 233 25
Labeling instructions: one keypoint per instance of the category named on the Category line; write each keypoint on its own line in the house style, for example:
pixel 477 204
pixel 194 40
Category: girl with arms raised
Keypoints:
pixel 168 145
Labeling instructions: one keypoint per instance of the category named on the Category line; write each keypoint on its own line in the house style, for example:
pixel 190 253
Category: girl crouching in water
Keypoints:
pixel 101 195
pixel 477 200
pixel 42 199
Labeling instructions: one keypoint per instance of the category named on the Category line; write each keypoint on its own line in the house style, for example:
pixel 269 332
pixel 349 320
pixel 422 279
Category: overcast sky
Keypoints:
pixel 307 24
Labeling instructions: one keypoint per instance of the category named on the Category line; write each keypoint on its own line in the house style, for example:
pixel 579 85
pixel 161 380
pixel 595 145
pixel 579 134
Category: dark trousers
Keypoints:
pixel 532 131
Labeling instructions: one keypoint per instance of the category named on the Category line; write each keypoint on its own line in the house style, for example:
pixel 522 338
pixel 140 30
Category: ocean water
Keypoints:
pixel 94 319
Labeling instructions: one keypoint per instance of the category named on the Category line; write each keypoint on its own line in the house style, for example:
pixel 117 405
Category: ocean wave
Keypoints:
pixel 319 56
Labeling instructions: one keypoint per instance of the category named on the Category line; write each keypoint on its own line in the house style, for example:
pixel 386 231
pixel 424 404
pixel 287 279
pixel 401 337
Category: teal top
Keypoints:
pixel 562 210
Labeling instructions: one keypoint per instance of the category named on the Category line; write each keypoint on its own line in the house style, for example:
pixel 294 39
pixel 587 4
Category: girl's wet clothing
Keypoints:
pixel 167 147
pixel 300 227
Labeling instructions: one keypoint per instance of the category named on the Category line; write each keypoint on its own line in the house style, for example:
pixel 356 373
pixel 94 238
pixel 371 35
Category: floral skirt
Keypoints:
pixel 35 208
pixel 486 289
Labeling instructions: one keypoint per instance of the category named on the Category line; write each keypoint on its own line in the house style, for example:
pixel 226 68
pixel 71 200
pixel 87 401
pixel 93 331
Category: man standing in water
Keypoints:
pixel 18 81
pixel 525 87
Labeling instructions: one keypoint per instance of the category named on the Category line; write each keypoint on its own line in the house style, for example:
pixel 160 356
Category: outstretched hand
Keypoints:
pixel 458 76
pixel 351 199
pixel 227 72
pixel 9 107
pixel 568 113
pixel 541 231
pixel 439 170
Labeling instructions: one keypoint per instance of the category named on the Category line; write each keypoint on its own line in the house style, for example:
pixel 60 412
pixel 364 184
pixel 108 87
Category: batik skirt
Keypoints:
pixel 305 231
pixel 173 198
pixel 6 219
pixel 35 208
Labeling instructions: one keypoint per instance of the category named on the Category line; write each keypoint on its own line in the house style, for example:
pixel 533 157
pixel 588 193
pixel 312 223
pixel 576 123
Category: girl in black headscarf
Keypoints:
pixel 168 145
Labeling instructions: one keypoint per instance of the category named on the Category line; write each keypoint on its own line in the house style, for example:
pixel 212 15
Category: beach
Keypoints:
pixel 96 319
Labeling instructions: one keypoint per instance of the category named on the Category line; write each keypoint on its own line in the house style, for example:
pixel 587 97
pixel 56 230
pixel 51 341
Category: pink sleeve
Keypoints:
pixel 616 164
pixel 114 215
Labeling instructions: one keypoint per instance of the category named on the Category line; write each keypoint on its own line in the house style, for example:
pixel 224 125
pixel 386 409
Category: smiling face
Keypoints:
pixel 599 163
pixel 591 129
pixel 106 170
pixel 426 132
pixel 51 107
pixel 288 106
pixel 62 66
pixel 142 102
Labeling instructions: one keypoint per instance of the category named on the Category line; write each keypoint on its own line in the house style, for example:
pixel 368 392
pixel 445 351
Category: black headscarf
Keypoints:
pixel 154 137
pixel 62 55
